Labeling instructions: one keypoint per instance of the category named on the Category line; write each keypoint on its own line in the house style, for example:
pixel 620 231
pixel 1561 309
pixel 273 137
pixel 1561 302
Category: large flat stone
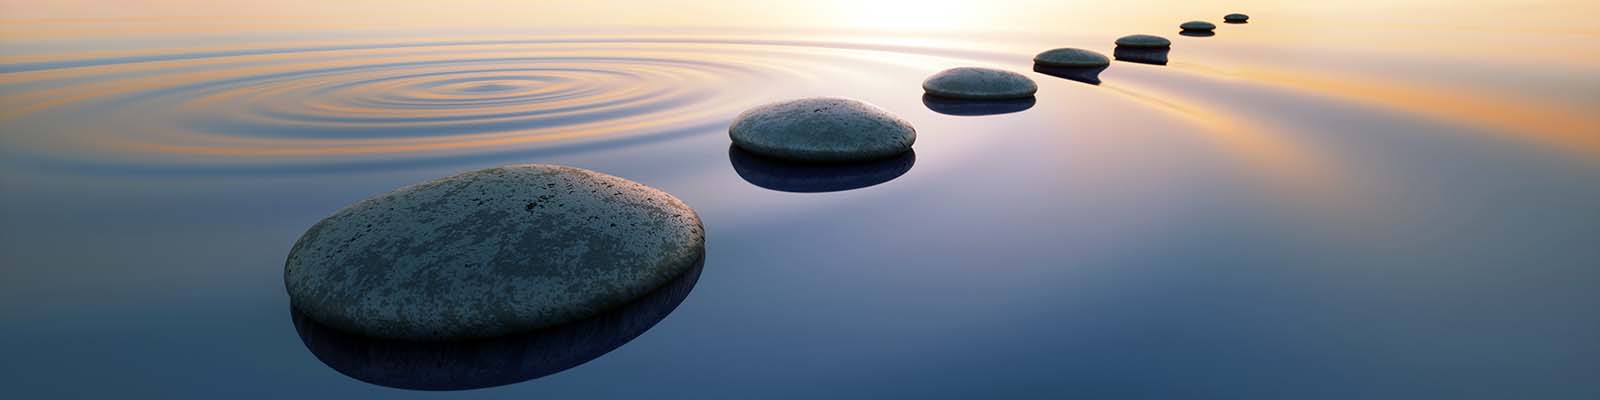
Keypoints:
pixel 489 253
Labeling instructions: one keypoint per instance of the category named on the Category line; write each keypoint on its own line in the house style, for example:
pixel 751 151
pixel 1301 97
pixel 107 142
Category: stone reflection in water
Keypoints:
pixel 1153 56
pixel 481 363
pixel 973 108
pixel 1197 33
pixel 1089 75
pixel 786 176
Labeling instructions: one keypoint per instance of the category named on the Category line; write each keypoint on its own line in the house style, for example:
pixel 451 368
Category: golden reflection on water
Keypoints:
pixel 274 77
pixel 78 16
pixel 1557 125
pixel 1264 149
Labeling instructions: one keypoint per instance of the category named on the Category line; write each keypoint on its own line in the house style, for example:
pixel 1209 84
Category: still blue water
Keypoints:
pixel 1174 232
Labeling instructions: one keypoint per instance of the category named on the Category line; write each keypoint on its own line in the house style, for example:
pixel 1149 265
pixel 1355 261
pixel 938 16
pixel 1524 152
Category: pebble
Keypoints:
pixel 970 83
pixel 822 129
pixel 1198 26
pixel 1070 57
pixel 489 253
pixel 1144 41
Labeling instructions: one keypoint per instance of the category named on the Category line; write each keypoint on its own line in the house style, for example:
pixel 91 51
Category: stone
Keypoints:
pixel 1072 58
pixel 793 177
pixel 1198 26
pixel 970 83
pixel 1236 18
pixel 491 253
pixel 822 129
pixel 1144 41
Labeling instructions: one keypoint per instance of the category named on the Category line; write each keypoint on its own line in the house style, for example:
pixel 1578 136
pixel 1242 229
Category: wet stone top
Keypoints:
pixel 1198 26
pixel 1070 57
pixel 489 253
pixel 979 84
pixel 1144 41
pixel 822 129
pixel 1236 17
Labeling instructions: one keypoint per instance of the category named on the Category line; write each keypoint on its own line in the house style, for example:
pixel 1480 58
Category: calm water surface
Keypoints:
pixel 1313 205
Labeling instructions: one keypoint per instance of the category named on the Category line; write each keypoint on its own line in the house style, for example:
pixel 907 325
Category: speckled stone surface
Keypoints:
pixel 979 84
pixel 1144 41
pixel 822 129
pixel 1236 17
pixel 490 253
pixel 1197 26
pixel 1069 57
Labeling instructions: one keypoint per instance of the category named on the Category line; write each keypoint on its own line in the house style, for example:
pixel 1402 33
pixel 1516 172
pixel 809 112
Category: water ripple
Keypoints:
pixel 345 105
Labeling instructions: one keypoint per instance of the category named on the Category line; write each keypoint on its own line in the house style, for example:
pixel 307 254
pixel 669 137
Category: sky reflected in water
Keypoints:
pixel 1352 200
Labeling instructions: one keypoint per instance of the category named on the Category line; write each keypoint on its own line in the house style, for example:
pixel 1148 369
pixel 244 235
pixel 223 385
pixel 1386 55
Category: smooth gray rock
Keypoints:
pixel 1071 58
pixel 1198 26
pixel 1144 41
pixel 1236 17
pixel 972 83
pixel 490 253
pixel 822 129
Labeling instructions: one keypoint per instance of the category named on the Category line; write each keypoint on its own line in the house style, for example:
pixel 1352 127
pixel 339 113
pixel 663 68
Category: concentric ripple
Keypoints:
pixel 346 105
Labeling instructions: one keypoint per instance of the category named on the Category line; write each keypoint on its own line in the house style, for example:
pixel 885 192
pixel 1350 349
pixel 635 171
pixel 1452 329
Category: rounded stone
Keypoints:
pixel 972 83
pixel 1144 41
pixel 1071 58
pixel 490 253
pixel 822 129
pixel 1236 17
pixel 1198 26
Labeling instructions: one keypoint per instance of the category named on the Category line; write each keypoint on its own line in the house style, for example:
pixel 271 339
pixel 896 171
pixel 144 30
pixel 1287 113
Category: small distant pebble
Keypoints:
pixel 1236 17
pixel 1069 57
pixel 1144 41
pixel 1198 26
pixel 968 83
pixel 822 129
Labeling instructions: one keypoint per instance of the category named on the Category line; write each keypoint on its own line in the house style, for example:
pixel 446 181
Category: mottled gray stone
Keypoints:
pixel 822 129
pixel 1236 17
pixel 1198 26
pixel 1069 57
pixel 489 253
pixel 971 83
pixel 1144 41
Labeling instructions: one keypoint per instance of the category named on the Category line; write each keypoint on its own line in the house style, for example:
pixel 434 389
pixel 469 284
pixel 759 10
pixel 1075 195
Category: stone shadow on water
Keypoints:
pixel 482 363
pixel 1142 55
pixel 797 177
pixel 974 108
pixel 1089 75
